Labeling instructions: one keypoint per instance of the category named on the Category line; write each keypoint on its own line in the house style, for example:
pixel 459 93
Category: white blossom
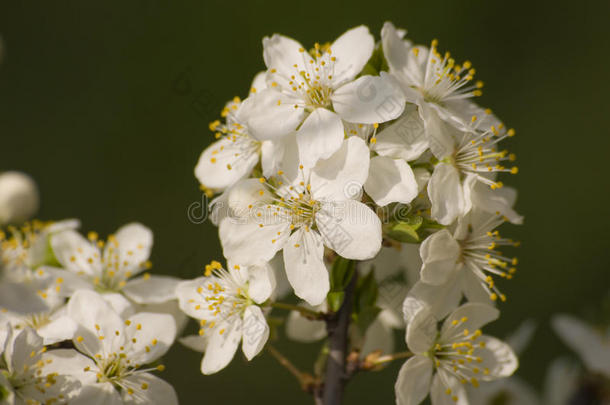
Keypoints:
pixel 117 351
pixel 318 209
pixel 227 303
pixel 445 360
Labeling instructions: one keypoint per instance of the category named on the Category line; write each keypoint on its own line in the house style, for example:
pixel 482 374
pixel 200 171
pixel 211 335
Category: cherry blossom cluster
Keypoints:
pixel 79 323
pixel 374 154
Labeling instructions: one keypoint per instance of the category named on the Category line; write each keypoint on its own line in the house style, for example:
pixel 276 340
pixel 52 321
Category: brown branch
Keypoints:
pixel 337 326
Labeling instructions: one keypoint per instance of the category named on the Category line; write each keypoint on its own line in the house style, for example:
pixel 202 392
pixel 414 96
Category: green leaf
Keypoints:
pixel 341 273
pixel 319 366
pixel 404 231
pixel 365 303
pixel 335 299
pixel 366 291
pixel 366 317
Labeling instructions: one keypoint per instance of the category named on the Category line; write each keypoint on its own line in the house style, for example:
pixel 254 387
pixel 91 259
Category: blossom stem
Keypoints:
pixel 391 357
pixel 283 360
pixel 306 381
pixel 335 377
pixel 309 313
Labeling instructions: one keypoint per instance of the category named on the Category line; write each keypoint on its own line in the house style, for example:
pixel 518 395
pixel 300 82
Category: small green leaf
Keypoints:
pixel 365 303
pixel 335 299
pixel 341 273
pixel 404 231
pixel 366 317
pixel 366 291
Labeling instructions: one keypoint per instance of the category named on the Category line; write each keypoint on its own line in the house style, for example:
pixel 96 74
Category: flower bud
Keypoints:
pixel 18 197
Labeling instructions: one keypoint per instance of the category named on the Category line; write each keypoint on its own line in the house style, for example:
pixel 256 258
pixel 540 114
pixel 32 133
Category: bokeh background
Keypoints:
pixel 106 104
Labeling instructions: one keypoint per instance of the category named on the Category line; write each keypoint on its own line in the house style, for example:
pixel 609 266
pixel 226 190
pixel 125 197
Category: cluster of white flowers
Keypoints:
pixel 360 175
pixel 75 327
pixel 360 151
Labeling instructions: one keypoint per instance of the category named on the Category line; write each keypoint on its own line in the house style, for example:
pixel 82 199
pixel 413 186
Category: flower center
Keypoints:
pixel 479 251
pixel 225 296
pixel 457 354
pixel 477 153
pixel 237 134
pixel 314 83
pixel 444 80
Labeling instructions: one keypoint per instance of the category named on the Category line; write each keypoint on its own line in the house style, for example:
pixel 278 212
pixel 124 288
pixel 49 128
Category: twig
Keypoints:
pixel 306 381
pixel 337 327
pixel 309 313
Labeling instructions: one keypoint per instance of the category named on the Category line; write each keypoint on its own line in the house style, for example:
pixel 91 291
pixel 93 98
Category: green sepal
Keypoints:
pixel 365 302
pixel 404 231
pixel 335 299
pixel 341 273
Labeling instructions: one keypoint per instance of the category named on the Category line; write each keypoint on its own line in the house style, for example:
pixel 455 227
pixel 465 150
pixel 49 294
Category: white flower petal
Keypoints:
pixel 519 339
pixel 157 392
pixel 303 259
pixel 352 51
pixel 440 253
pixel 133 245
pixel 561 381
pixel 194 342
pixel 259 82
pixel 439 134
pixel 94 318
pixel 378 336
pixel 282 53
pixel 221 347
pixel 272 114
pixel 394 48
pixel 476 315
pixel 21 298
pixel 390 180
pixel 255 331
pixel 342 176
pixel 440 299
pixel 70 362
pixel 405 138
pixel 319 137
pixel 19 346
pixel 497 357
pixel 471 286
pixel 446 193
pixel 249 243
pixel 413 382
pixel 301 329
pixel 152 289
pixel 280 154
pixel 98 394
pixel 121 305
pixel 246 195
pixel 589 344
pixel 189 299
pixel 154 334
pixel 75 253
pixel 58 330
pixel 369 99
pixel 226 161
pixel 261 282
pixel 447 390
pixel 421 331
pixel 500 201
pixel 350 228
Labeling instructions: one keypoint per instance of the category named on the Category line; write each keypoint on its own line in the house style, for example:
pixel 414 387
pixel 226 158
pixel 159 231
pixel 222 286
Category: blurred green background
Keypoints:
pixel 106 104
